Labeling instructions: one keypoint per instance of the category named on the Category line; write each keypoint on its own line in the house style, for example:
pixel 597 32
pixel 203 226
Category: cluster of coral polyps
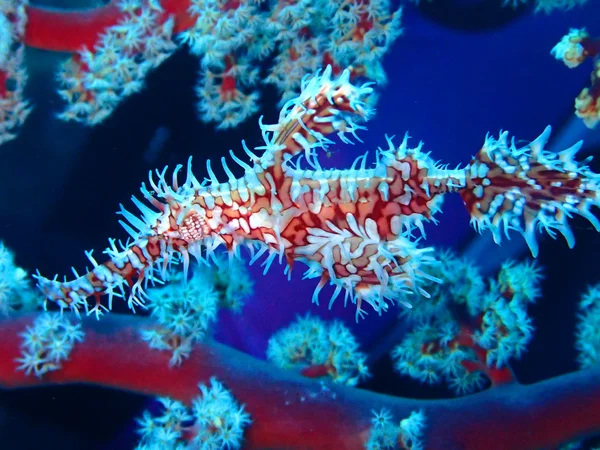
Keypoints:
pixel 546 6
pixel 114 47
pixel 14 109
pixel 574 49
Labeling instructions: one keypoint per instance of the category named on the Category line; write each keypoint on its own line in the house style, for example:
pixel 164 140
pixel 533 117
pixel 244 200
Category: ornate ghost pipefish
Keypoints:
pixel 355 228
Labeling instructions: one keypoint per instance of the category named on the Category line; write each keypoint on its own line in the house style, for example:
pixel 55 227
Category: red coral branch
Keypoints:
pixel 496 375
pixel 69 30
pixel 289 411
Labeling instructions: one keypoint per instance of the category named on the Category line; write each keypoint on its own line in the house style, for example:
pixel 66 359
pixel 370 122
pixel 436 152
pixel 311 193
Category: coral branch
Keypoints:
pixel 71 30
pixel 288 411
pixel 114 47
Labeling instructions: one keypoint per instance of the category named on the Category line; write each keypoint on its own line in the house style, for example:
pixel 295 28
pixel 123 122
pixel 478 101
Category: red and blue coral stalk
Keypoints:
pixel 289 411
